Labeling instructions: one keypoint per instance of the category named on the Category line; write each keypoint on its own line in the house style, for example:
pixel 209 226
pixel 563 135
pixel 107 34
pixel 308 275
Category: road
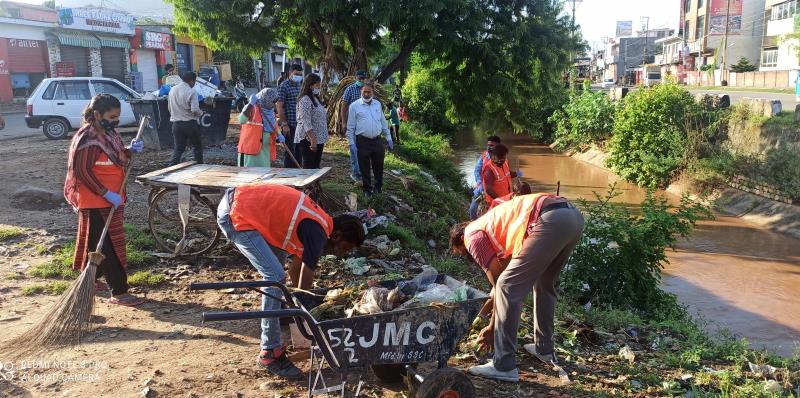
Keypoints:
pixel 787 100
pixel 16 127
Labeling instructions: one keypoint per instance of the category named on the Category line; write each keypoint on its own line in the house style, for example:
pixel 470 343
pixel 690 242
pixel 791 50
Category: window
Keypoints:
pixel 700 31
pixel 51 89
pixel 783 10
pixel 114 89
pixel 686 5
pixel 700 3
pixel 686 29
pixel 72 90
pixel 769 57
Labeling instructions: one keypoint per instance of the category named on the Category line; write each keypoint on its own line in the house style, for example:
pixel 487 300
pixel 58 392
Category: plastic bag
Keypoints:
pixel 420 282
pixel 376 300
pixel 434 294
pixel 357 265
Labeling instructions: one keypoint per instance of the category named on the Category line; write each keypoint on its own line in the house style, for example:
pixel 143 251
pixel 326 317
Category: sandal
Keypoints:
pixel 100 286
pixel 126 299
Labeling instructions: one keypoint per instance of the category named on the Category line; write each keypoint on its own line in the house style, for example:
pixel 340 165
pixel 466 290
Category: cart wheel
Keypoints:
pixel 390 373
pixel 446 383
pixel 163 218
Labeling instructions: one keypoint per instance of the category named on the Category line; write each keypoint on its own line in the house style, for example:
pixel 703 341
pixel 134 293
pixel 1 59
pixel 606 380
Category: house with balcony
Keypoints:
pixel 778 50
pixel 670 59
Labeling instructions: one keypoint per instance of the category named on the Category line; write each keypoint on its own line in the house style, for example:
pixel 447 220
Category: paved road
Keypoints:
pixel 16 127
pixel 787 100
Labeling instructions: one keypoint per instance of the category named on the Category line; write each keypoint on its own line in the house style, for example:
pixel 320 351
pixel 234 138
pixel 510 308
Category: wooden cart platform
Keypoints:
pixel 213 176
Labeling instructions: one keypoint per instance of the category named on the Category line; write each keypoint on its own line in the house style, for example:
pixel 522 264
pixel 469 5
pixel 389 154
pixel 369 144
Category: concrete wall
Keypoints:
pixel 768 79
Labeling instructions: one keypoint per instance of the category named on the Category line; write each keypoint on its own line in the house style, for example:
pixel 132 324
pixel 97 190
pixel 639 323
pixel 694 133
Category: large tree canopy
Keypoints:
pixel 502 57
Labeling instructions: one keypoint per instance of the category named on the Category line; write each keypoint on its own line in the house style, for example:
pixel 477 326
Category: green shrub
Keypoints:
pixel 55 287
pixel 426 101
pixel 650 135
pixel 618 262
pixel 146 279
pixel 59 267
pixel 782 170
pixel 429 150
pixel 587 118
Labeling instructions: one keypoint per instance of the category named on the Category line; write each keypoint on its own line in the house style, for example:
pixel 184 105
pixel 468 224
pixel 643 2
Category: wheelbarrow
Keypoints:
pixel 391 343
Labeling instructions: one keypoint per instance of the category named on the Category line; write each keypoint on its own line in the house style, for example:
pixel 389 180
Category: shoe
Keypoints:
pixel 549 359
pixel 488 371
pixel 126 299
pixel 276 362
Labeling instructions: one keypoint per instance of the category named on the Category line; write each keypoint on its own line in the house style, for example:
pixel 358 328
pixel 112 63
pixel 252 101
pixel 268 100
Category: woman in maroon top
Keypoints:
pixel 95 172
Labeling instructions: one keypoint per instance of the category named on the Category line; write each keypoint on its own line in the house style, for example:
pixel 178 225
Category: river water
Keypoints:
pixel 732 274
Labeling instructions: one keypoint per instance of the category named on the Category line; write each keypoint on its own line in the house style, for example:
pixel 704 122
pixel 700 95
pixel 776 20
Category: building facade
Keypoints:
pixel 671 58
pixel 152 47
pixel 779 52
pixel 23 48
pixel 190 54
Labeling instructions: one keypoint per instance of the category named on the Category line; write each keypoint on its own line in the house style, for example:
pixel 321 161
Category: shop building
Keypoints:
pixel 23 48
pixel 152 47
pixel 190 54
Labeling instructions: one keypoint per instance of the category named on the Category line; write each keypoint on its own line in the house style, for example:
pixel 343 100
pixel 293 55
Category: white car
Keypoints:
pixel 607 83
pixel 57 104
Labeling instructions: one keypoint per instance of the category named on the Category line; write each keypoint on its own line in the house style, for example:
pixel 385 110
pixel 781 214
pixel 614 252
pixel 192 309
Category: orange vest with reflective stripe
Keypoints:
pixel 251 134
pixel 275 211
pixel 110 176
pixel 502 180
pixel 506 225
pixel 498 201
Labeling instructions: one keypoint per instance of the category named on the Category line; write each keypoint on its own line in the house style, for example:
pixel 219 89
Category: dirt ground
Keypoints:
pixel 160 348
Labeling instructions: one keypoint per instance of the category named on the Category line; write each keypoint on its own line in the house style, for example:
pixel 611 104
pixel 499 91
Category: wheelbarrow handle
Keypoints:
pixel 234 315
pixel 245 284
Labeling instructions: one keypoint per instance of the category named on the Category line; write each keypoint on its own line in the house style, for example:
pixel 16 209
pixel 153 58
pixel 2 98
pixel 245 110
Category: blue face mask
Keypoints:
pixel 297 79
pixel 359 83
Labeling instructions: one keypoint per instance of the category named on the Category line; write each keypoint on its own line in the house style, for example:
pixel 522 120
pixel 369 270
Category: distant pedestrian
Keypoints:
pixel 312 122
pixel 394 122
pixel 259 131
pixel 184 109
pixel 288 92
pixel 262 78
pixel 397 93
pixel 351 94
pixel 365 123
pixel 402 111
pixel 281 79
pixel 477 197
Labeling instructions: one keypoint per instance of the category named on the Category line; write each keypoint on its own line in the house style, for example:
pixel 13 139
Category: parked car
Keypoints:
pixel 607 83
pixel 652 79
pixel 57 104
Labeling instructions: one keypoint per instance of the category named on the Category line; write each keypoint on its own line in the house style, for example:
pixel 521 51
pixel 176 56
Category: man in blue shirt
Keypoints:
pixel 478 192
pixel 288 92
pixel 351 94
pixel 365 124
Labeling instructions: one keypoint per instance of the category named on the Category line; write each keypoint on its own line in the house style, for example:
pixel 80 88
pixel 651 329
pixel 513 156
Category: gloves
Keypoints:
pixel 253 100
pixel 280 138
pixel 137 146
pixel 519 173
pixel 390 144
pixel 114 198
pixel 477 192
pixel 353 149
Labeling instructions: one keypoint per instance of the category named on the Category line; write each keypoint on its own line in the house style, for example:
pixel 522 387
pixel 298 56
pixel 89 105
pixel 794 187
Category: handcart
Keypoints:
pixel 183 199
pixel 391 343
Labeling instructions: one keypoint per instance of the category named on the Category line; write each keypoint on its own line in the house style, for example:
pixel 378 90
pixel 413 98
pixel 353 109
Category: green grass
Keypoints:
pixel 138 242
pixel 785 119
pixel 54 287
pixel 12 276
pixel 60 267
pixel 10 232
pixel 145 279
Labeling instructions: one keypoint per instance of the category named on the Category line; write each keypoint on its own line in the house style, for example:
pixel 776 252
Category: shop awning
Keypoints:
pixel 112 41
pixel 76 39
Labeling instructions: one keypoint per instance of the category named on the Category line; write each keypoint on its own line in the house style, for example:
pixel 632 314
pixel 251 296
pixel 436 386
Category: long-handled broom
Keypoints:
pixel 69 319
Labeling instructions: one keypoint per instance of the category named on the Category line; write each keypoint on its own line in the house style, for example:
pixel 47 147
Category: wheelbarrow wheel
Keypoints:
pixel 163 218
pixel 446 383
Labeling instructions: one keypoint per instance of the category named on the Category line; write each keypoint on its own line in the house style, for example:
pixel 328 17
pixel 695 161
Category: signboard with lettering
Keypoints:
pixel 624 28
pixel 97 19
pixel 720 12
pixel 65 69
pixel 157 41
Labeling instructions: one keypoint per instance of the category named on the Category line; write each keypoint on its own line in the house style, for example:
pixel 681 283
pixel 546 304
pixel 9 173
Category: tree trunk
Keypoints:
pixel 396 64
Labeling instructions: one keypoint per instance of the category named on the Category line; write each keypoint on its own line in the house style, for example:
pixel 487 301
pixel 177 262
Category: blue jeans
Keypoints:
pixel 473 207
pixel 266 259
pixel 354 168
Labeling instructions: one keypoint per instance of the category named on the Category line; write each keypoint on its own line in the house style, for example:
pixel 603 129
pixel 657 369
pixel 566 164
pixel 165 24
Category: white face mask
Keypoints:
pixel 367 99
pixel 315 91
pixel 297 78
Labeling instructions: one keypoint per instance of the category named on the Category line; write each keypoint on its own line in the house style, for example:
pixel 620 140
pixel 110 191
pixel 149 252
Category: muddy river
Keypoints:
pixel 734 275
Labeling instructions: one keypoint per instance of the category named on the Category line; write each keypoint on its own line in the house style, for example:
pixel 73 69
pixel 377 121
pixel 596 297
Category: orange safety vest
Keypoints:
pixel 251 134
pixel 275 211
pixel 110 176
pixel 500 200
pixel 507 224
pixel 502 180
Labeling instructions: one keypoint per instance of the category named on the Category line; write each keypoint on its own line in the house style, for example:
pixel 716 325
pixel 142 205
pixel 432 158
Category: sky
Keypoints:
pixel 598 18
pixel 151 8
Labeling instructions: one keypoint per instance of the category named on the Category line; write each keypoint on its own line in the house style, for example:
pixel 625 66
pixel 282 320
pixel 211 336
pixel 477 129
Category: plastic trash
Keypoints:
pixel 419 282
pixel 434 294
pixel 460 294
pixel 376 300
pixel 357 265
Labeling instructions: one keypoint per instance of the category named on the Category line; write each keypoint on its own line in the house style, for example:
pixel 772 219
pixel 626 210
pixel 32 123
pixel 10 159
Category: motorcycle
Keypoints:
pixel 240 96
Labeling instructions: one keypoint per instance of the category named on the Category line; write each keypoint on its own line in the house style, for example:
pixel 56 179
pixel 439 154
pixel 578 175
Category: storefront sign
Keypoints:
pixel 157 40
pixel 720 12
pixel 65 69
pixel 97 19
pixel 24 43
pixel 3 67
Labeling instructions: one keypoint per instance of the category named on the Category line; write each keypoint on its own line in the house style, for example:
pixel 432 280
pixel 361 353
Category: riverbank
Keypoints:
pixel 163 349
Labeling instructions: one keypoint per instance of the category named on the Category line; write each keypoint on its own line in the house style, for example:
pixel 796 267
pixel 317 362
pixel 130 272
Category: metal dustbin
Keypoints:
pixel 213 124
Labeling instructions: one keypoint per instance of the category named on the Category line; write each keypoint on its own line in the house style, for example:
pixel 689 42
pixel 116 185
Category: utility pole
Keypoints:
pixel 725 42
pixel 646 26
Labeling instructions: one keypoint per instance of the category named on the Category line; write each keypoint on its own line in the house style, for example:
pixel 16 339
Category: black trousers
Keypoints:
pixel 311 159
pixel 116 277
pixel 370 158
pixel 183 132
pixel 294 148
pixel 395 128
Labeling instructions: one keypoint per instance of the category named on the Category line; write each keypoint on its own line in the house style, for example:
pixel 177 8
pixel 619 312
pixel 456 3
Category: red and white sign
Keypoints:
pixel 27 56
pixel 157 41
pixel 25 43
pixel 3 67
pixel 65 69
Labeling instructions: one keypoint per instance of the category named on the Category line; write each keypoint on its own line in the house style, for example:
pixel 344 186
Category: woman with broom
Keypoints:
pixel 259 131
pixel 95 174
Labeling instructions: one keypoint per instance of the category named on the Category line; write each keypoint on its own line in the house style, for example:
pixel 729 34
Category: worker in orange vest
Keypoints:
pixel 522 244
pixel 522 189
pixel 269 222
pixel 496 178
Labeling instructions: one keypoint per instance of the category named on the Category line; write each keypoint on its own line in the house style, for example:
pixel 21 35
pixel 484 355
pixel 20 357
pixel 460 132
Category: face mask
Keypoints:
pixel 359 83
pixel 367 99
pixel 315 91
pixel 108 124
pixel 297 78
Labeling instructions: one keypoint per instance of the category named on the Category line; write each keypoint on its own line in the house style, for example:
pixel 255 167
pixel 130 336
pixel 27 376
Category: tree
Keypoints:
pixel 743 65
pixel 49 4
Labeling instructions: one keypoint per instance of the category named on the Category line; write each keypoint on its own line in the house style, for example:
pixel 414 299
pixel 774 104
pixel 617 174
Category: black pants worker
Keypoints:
pixel 370 157
pixel 183 132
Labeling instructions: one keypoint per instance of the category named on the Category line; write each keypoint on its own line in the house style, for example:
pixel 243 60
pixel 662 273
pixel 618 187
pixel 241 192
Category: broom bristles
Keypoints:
pixel 64 325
